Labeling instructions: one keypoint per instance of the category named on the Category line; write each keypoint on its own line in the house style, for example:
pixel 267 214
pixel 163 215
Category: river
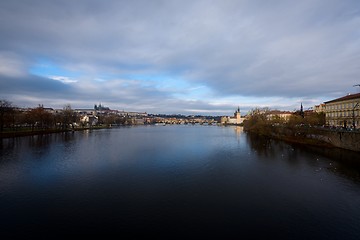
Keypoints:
pixel 176 181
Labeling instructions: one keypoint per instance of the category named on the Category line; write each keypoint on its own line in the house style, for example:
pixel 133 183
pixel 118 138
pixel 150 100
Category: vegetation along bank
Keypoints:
pixel 302 129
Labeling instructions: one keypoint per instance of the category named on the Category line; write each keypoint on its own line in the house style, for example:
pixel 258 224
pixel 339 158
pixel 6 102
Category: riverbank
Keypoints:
pixel 29 132
pixel 320 137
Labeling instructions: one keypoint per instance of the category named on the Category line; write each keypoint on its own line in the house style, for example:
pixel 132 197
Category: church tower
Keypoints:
pixel 237 115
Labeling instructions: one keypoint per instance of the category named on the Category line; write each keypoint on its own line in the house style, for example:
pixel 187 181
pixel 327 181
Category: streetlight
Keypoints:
pixel 356 85
pixel 356 105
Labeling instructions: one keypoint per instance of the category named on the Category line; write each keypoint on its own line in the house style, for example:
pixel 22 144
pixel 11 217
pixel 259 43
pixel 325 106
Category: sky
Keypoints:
pixel 179 56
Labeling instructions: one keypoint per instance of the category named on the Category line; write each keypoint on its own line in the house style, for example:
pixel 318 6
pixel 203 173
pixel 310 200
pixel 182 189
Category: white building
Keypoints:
pixel 235 120
pixel 89 119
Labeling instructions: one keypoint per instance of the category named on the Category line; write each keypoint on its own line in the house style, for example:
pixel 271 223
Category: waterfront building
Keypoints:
pixel 91 120
pixel 235 120
pixel 343 111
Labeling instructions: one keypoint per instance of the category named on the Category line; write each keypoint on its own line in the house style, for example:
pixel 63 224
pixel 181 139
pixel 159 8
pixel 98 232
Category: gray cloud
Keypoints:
pixel 280 49
pixel 36 85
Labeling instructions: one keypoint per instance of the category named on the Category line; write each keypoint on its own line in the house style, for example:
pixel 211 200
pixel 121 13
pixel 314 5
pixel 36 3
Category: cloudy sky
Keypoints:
pixel 189 57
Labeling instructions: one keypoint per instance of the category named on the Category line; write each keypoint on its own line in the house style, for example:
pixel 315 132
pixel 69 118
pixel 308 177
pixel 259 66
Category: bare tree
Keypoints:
pixel 68 116
pixel 6 110
pixel 40 118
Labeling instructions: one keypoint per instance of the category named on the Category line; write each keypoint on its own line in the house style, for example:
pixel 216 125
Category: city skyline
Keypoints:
pixel 186 57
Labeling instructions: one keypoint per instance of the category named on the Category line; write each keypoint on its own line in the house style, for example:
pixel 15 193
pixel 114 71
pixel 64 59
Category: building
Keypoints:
pixel 319 108
pixel 89 120
pixel 235 120
pixel 343 111
pixel 85 111
pixel 280 115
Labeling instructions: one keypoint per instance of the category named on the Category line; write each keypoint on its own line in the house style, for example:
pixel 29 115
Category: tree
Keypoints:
pixel 295 119
pixel 68 116
pixel 6 112
pixel 257 120
pixel 40 118
pixel 109 119
pixel 315 119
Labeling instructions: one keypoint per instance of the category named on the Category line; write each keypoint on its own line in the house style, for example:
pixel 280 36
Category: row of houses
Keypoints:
pixel 91 116
pixel 339 112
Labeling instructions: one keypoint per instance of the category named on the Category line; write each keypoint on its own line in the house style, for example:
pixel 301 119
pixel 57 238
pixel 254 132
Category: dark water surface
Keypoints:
pixel 176 181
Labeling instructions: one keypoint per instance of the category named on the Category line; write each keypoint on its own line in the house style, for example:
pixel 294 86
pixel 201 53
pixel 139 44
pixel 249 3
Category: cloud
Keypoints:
pixel 37 86
pixel 11 64
pixel 239 50
pixel 63 79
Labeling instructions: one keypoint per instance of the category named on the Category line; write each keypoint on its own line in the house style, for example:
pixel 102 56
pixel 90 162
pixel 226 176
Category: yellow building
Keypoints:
pixel 343 111
pixel 319 108
pixel 276 114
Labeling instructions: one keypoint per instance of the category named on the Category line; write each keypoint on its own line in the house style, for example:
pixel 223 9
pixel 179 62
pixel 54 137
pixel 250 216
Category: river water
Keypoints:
pixel 176 181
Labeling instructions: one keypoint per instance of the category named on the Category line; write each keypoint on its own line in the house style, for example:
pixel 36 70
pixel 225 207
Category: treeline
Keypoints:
pixel 13 118
pixel 261 120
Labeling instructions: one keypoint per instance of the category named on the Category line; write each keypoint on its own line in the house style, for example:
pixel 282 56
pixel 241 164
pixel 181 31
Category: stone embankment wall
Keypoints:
pixel 317 136
pixel 341 139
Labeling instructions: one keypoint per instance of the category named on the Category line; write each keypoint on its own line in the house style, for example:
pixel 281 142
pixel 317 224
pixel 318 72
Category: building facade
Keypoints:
pixel 319 108
pixel 344 111
pixel 282 115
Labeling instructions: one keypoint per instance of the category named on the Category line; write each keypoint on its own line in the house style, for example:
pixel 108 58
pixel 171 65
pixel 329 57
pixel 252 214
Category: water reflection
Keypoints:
pixel 341 162
pixel 180 179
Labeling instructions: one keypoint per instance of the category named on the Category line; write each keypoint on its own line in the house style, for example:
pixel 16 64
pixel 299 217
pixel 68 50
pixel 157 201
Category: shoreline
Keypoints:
pixel 26 133
pixel 312 136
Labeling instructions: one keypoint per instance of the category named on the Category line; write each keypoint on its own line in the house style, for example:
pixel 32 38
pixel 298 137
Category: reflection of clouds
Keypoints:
pixel 20 155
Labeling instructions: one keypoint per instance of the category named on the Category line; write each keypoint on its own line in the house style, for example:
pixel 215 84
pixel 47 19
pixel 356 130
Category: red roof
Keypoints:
pixel 347 97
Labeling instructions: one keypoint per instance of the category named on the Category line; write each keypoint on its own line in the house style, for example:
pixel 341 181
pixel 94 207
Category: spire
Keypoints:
pixel 301 111
pixel 238 109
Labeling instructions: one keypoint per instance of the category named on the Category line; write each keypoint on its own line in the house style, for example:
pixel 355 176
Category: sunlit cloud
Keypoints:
pixel 63 79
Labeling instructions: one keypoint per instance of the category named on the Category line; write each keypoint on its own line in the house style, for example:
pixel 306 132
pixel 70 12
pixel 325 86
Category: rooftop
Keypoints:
pixel 347 97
